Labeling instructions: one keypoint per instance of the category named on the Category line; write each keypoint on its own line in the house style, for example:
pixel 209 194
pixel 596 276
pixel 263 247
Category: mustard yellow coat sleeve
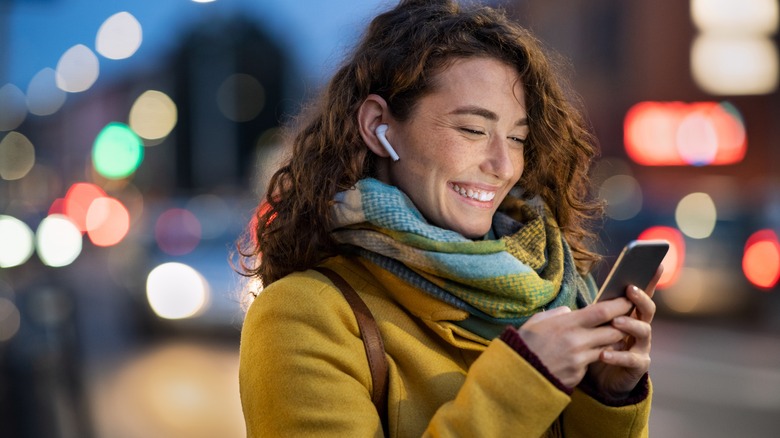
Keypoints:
pixel 303 372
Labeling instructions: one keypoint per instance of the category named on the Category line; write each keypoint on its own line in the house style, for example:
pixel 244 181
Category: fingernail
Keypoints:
pixel 620 320
pixel 635 290
pixel 607 355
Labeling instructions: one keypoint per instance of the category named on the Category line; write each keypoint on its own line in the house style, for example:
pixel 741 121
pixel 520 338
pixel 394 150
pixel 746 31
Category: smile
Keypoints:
pixel 479 195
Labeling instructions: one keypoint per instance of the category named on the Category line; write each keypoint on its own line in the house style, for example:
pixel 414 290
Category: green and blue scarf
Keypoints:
pixel 524 266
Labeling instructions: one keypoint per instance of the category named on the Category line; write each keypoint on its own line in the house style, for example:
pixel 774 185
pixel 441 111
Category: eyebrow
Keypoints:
pixel 483 112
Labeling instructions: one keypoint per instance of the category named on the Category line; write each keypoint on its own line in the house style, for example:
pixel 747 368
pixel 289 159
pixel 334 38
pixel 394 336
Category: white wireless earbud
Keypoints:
pixel 380 134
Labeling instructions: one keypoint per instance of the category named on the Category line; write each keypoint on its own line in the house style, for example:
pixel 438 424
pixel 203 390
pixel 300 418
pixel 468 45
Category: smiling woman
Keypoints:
pixel 442 175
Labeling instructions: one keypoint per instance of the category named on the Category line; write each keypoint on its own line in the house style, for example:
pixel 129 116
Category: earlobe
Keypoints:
pixel 373 116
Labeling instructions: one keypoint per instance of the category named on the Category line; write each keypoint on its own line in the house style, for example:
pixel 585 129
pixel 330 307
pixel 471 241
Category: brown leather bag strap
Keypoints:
pixel 372 341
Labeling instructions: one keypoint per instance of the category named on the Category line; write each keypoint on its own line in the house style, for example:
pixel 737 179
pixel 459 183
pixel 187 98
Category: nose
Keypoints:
pixel 499 159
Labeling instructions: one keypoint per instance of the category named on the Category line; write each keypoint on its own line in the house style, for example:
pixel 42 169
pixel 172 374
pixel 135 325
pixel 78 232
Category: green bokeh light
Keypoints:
pixel 117 152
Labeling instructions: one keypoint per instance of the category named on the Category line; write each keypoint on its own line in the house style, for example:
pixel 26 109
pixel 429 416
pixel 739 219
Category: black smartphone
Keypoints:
pixel 636 265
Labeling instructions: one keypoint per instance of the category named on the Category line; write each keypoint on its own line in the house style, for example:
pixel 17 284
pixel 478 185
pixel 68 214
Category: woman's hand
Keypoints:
pixel 622 365
pixel 567 341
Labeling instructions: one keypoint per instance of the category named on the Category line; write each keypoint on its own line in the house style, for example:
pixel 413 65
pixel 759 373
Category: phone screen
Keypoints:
pixel 636 265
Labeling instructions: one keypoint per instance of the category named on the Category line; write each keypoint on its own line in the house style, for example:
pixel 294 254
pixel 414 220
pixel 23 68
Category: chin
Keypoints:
pixel 474 233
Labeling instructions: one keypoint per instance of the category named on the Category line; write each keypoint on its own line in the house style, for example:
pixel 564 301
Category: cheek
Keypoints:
pixel 519 165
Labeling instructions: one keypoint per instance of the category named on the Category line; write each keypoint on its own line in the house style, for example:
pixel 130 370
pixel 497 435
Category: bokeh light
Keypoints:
pixel 13 107
pixel 689 293
pixel 119 37
pixel 675 258
pixel 177 231
pixel 10 319
pixel 677 133
pixel 77 69
pixel 117 151
pixel 623 196
pixel 176 291
pixel 17 242
pixel 77 201
pixel 734 65
pixel 153 115
pixel 108 221
pixel 241 97
pixel 58 241
pixel 735 16
pixel 17 156
pixel 696 215
pixel 43 96
pixel 761 259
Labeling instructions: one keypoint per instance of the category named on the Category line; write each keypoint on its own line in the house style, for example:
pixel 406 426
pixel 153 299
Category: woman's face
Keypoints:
pixel 461 149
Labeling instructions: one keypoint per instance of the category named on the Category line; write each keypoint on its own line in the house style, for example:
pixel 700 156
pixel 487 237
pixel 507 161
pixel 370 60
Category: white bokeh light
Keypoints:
pixel 153 115
pixel 696 215
pixel 58 241
pixel 735 16
pixel 77 69
pixel 43 96
pixel 17 156
pixel 727 65
pixel 17 242
pixel 119 37
pixel 176 291
pixel 623 195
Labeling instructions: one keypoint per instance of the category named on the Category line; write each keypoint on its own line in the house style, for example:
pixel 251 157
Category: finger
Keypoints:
pixel 645 307
pixel 604 337
pixel 626 359
pixel 650 289
pixel 603 312
pixel 639 332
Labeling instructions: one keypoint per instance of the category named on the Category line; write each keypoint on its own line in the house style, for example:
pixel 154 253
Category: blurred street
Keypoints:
pixel 714 382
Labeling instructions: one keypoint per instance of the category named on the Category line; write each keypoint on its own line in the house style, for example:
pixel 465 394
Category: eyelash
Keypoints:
pixel 476 132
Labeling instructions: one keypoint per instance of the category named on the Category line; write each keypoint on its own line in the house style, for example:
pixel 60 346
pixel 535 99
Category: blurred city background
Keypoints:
pixel 135 137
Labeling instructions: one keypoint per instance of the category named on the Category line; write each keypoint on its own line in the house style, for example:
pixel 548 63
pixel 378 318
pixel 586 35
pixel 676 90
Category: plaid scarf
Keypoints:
pixel 525 269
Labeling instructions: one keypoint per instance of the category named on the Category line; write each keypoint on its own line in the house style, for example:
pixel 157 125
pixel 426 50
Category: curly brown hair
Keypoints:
pixel 398 58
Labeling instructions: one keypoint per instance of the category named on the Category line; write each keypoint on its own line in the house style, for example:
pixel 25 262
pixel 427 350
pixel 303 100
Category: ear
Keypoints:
pixel 372 113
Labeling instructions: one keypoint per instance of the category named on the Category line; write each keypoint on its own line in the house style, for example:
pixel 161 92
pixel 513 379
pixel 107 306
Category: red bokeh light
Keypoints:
pixel 108 221
pixel 678 133
pixel 77 202
pixel 761 259
pixel 675 258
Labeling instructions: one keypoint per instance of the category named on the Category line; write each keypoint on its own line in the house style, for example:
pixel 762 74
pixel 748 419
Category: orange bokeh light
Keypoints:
pixel 108 221
pixel 678 133
pixel 675 258
pixel 761 259
pixel 78 200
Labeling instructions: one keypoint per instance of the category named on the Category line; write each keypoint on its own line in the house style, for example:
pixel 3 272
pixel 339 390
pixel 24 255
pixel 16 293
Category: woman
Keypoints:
pixel 470 250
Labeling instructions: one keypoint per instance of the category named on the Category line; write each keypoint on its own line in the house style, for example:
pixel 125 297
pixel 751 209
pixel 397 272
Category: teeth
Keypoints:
pixel 474 194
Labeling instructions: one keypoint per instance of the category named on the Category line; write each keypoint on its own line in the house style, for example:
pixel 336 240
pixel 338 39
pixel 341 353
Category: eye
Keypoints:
pixel 472 131
pixel 518 140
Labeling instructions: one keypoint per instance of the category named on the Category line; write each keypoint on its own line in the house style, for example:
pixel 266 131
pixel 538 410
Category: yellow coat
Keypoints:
pixel 304 372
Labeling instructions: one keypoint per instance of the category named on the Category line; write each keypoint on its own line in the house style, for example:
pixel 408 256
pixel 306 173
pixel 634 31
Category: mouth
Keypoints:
pixel 473 193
